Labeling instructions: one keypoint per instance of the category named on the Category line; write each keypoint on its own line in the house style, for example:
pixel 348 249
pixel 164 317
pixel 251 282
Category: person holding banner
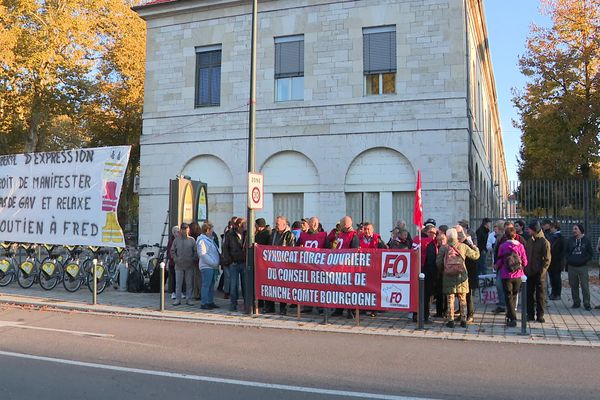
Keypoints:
pixel 313 237
pixel 368 239
pixel 343 238
pixel 451 263
pixel 281 236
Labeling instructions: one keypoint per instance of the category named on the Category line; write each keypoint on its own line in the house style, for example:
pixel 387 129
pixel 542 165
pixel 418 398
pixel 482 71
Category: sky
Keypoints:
pixel 508 23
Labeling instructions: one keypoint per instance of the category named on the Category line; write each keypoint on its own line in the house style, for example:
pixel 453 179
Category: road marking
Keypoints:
pixel 199 378
pixel 12 324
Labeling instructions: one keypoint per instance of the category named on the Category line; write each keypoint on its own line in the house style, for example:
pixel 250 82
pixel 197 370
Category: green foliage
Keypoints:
pixel 560 106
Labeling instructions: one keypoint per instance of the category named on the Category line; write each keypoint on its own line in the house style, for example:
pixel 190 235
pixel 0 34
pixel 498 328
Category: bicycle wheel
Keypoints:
pixel 72 277
pixel 26 274
pixel 7 271
pixel 50 273
pixel 101 278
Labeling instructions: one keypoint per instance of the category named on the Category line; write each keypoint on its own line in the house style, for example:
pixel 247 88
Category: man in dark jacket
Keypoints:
pixel 280 236
pixel 557 246
pixel 579 253
pixel 263 233
pixel 482 235
pixel 234 255
pixel 538 258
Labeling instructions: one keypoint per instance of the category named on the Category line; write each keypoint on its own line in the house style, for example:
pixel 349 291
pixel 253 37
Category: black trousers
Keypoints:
pixel 429 291
pixel 511 291
pixel 555 279
pixel 536 295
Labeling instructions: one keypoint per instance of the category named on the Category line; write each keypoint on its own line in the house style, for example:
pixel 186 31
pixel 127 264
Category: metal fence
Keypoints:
pixel 568 202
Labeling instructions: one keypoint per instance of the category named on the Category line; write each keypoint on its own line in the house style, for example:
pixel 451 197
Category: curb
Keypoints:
pixel 256 322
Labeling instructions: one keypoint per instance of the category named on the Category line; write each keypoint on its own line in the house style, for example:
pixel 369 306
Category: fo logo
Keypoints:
pixel 396 297
pixel 394 266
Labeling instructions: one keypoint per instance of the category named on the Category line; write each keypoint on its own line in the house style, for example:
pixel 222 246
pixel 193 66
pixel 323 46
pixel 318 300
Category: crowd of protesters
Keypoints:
pixel 452 259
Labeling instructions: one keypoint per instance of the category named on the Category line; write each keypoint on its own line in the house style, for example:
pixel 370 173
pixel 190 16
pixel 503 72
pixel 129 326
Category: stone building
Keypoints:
pixel 353 97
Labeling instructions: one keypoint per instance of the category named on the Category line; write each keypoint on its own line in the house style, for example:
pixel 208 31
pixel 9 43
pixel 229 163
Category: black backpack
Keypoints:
pixel 154 284
pixel 512 262
pixel 135 281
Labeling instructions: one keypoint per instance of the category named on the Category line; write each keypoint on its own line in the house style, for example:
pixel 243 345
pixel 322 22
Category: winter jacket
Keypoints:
pixel 184 253
pixel 208 253
pixel 503 239
pixel 452 284
pixel 285 238
pixel 579 251
pixel 538 254
pixel 482 235
pixel 557 249
pixel 233 248
pixel 506 248
pixel 263 237
pixel 400 244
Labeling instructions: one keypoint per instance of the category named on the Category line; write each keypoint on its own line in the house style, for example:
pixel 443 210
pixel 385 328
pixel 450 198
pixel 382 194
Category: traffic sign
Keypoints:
pixel 255 191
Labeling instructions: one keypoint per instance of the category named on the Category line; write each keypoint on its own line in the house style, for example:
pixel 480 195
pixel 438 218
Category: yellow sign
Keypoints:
pixel 48 268
pixel 27 267
pixel 187 205
pixel 72 269
pixel 4 265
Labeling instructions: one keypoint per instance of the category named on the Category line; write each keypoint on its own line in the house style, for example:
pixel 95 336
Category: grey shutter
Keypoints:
pixel 379 52
pixel 289 59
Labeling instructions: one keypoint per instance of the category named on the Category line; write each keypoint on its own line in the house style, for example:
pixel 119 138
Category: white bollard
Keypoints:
pixel 123 274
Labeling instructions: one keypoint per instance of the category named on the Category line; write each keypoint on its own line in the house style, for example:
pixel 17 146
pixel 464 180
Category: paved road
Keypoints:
pixel 356 363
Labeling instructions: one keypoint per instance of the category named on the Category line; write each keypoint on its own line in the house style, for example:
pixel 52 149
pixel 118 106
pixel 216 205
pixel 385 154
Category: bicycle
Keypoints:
pixel 73 277
pixel 51 270
pixel 107 271
pixel 8 263
pixel 28 272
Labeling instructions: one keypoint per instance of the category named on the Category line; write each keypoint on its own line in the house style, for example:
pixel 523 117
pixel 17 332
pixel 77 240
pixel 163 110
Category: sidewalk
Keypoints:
pixel 564 325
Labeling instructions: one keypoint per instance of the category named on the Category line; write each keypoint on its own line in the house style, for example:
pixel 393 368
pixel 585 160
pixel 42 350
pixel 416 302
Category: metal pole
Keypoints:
pixel 162 286
pixel 524 305
pixel 94 281
pixel 249 276
pixel 421 318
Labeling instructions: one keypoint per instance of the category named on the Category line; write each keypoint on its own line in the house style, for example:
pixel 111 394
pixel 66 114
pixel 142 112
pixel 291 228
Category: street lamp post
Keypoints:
pixel 249 295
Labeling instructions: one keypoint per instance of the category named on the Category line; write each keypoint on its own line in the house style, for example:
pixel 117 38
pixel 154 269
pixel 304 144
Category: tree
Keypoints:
pixel 71 75
pixel 560 107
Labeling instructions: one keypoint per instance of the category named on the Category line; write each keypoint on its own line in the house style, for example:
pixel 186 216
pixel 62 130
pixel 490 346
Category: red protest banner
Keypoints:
pixel 369 279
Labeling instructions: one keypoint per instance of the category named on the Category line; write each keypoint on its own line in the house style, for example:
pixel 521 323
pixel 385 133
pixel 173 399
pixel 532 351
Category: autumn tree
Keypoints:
pixel 559 107
pixel 71 75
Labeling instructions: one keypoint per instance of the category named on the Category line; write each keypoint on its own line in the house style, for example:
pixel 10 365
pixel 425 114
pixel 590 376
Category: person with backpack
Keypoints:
pixel 451 264
pixel 512 258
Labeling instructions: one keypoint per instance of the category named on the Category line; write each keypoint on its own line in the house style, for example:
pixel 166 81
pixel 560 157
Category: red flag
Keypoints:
pixel 418 213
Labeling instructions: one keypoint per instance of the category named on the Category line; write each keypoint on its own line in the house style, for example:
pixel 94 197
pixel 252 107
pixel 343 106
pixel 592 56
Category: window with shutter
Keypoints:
pixel 379 58
pixel 289 68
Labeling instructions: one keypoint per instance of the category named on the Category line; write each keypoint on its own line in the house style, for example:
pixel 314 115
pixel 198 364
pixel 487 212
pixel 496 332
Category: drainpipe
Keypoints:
pixel 469 115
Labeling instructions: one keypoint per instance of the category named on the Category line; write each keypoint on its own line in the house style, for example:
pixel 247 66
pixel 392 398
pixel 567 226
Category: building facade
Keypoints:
pixel 353 98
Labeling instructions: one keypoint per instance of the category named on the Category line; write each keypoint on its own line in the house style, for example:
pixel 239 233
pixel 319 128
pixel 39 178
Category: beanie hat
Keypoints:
pixel 535 226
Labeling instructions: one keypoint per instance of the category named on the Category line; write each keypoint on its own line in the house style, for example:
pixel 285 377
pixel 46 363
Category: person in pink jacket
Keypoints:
pixel 511 262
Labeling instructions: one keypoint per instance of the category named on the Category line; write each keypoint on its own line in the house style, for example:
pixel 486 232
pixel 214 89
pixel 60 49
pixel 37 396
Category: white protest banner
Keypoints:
pixel 67 197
